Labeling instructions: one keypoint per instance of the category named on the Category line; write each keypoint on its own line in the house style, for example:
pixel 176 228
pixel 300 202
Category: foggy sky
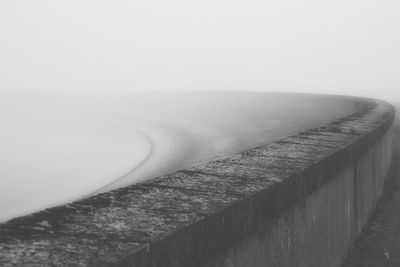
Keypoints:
pixel 344 46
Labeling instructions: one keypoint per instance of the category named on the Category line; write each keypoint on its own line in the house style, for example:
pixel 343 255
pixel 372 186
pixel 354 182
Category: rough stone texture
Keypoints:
pixel 313 232
pixel 280 199
pixel 379 243
pixel 318 230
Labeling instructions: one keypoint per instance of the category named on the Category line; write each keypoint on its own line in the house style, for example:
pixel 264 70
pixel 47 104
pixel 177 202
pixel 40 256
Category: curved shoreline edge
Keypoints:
pixel 150 152
pixel 300 201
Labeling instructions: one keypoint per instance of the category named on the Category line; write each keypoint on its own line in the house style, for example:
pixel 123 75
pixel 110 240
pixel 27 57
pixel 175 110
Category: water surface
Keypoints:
pixel 60 147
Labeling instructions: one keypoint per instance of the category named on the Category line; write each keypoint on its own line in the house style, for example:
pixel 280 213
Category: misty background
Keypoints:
pixel 339 47
pixel 74 122
pixel 58 147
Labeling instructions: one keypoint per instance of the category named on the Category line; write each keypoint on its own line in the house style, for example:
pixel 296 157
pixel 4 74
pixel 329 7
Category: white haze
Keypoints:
pixel 344 46
pixel 83 47
pixel 60 147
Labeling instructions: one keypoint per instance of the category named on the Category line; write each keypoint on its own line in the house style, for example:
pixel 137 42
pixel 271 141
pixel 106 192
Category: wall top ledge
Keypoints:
pixel 193 214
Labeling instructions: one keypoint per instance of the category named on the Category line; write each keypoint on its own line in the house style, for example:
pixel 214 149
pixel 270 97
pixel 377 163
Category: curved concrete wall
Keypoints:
pixel 300 201
pixel 320 228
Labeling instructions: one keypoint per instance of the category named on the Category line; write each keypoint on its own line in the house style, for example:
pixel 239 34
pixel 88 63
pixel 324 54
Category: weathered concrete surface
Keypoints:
pixel 296 202
pixel 318 230
pixel 379 242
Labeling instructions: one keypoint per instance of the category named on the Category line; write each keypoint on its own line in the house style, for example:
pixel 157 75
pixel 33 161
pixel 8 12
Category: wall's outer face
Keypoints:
pixel 300 201
pixel 319 230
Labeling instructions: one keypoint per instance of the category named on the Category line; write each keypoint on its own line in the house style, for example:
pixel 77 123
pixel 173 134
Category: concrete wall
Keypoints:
pixel 300 201
pixel 318 230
